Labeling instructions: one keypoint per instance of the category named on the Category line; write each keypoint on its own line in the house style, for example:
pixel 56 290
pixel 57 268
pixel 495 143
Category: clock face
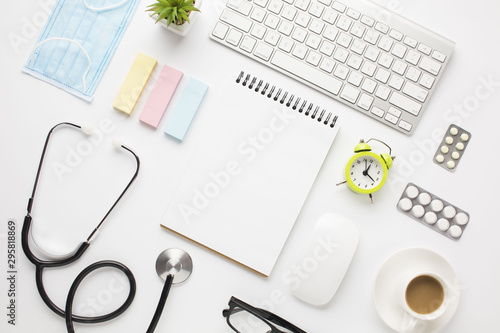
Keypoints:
pixel 366 172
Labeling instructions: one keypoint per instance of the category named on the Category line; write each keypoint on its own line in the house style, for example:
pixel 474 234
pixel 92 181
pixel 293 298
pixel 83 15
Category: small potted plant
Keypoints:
pixel 176 15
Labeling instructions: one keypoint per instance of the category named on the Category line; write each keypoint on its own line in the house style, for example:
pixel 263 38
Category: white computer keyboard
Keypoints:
pixel 386 68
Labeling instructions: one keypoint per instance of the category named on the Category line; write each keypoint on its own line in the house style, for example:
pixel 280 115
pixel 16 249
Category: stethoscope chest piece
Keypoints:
pixel 175 262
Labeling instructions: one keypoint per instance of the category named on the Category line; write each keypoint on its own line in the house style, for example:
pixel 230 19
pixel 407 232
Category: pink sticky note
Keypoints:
pixel 160 96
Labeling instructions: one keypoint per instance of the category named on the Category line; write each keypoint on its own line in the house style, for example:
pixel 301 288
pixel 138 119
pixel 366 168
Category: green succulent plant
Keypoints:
pixel 174 11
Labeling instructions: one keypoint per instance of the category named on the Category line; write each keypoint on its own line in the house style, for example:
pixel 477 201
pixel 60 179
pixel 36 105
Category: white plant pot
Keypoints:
pixel 183 29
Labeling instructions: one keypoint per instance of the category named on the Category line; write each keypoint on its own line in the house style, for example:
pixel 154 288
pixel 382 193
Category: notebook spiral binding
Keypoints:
pixel 282 97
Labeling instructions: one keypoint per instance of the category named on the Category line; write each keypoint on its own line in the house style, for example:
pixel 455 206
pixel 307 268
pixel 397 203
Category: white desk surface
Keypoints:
pixel 132 233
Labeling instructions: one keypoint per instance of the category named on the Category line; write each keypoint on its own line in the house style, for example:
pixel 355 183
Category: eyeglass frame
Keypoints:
pixel 264 315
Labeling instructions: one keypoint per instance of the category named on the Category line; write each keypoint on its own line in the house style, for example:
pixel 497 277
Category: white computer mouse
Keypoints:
pixel 325 260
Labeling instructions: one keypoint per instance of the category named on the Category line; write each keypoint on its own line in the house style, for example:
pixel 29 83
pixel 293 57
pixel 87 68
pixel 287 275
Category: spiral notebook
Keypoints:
pixel 251 173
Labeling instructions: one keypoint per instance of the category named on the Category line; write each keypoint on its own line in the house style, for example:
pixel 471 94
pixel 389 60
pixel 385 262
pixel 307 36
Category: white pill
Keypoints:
pixel 411 192
pixel 455 155
pixel 430 217
pixel 461 218
pixel 445 149
pixel 448 140
pixel 450 164
pixel 464 137
pixel 455 231
pixel 449 212
pixel 418 211
pixel 405 204
pixel 437 205
pixel 453 131
pixel 460 146
pixel 440 158
pixel 424 198
pixel 443 224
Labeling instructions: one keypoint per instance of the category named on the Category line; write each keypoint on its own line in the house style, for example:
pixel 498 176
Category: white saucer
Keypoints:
pixel 387 279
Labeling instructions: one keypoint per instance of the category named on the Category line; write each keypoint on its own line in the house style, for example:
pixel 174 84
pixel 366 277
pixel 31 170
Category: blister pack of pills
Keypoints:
pixel 452 147
pixel 433 211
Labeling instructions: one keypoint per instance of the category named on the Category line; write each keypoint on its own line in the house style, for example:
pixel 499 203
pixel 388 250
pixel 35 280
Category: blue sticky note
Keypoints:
pixel 185 109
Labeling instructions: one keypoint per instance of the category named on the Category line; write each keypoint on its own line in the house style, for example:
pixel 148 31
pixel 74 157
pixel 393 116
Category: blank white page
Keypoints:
pixel 249 177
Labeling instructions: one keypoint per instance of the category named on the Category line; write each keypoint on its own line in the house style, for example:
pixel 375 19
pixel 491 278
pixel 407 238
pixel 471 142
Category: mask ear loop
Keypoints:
pixel 66 40
pixel 100 9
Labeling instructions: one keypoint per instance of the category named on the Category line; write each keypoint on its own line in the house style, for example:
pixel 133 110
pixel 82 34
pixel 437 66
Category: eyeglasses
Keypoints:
pixel 244 318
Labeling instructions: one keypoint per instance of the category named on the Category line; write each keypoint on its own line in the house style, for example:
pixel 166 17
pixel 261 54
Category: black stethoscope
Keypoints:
pixel 172 265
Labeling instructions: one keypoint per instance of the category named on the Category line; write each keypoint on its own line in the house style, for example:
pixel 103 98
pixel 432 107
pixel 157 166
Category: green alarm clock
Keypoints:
pixel 366 172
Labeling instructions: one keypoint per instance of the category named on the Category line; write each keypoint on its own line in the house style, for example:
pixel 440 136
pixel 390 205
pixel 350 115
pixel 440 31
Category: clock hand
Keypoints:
pixel 370 177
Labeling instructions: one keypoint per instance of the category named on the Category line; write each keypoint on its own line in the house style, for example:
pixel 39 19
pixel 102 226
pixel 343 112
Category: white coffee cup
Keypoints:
pixel 424 297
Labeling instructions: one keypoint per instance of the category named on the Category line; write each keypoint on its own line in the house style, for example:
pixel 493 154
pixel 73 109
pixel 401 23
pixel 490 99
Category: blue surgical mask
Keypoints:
pixel 78 42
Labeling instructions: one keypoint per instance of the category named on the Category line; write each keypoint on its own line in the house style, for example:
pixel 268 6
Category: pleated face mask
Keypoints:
pixel 78 42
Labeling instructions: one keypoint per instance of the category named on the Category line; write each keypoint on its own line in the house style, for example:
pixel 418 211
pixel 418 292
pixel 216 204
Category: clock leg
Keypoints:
pixel 371 197
pixel 345 181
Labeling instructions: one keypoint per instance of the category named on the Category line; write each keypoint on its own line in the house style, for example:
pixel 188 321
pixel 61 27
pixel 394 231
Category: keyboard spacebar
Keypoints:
pixel 306 72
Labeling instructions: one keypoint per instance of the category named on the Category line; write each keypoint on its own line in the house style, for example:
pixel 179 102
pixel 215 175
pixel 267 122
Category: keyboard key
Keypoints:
pixel 275 6
pixel 405 125
pixel 258 14
pixel 367 20
pixel 382 92
pixel 327 48
pixel 385 60
pixel 272 38
pixel 262 3
pixel 248 43
pixel 272 21
pixel 353 13
pixel 316 9
pixel 355 78
pixel 339 6
pixel 391 118
pixel 358 29
pixel 220 30
pixel 288 13
pixel 430 66
pixel 344 23
pixel 340 54
pixel 365 102
pixel 399 50
pixel 236 20
pixel 263 51
pixel 382 75
pixel 327 64
pixel 368 68
pixel 424 48
pixel 313 58
pixel 299 35
pixel 302 4
pixel 369 86
pixel 427 81
pixel 372 53
pixel 303 19
pixel 344 40
pixel 241 6
pixel 325 2
pixel 313 41
pixel 316 26
pixel 438 56
pixel 399 67
pixel 285 28
pixel 358 46
pixel 300 51
pixel 234 37
pixel 330 33
pixel 341 72
pixel 396 82
pixel 349 93
pixel 410 42
pixel 258 31
pixel 330 16
pixel 385 43
pixel 372 36
pixel 412 57
pixel 381 27
pixel 378 112
pixel 396 35
pixel 405 103
pixel 413 74
pixel 298 68
pixel 395 112
pixel 415 91
pixel 286 44
pixel 354 62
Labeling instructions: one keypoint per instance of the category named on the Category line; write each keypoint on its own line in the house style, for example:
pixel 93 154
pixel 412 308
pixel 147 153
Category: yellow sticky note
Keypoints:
pixel 134 83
